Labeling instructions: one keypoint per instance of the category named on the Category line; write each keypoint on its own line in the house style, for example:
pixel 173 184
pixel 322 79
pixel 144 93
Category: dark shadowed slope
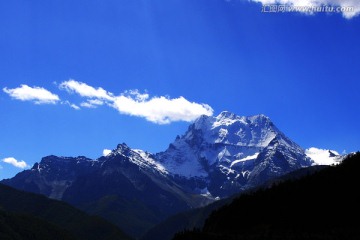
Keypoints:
pixel 196 218
pixel 26 227
pixel 124 187
pixel 53 215
pixel 321 206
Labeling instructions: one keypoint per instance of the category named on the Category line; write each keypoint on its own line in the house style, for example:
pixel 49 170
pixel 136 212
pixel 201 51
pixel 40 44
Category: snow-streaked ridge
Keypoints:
pixel 231 129
pixel 223 141
pixel 139 157
pixel 251 157
pixel 217 156
pixel 150 162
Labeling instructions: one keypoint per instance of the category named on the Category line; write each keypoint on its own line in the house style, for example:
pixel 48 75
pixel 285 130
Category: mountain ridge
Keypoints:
pixel 215 158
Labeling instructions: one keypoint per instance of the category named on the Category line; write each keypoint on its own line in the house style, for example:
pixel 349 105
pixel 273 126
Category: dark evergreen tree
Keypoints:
pixel 325 205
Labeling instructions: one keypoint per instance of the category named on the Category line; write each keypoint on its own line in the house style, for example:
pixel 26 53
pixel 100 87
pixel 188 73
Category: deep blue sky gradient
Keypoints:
pixel 301 71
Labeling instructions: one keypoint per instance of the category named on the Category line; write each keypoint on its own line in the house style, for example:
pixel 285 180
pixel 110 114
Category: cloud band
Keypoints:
pixel 158 109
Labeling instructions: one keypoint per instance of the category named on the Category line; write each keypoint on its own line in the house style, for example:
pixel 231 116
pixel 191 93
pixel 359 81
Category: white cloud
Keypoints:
pixel 323 156
pixel 36 94
pixel 92 103
pixel 72 105
pixel 347 13
pixel 106 152
pixel 85 90
pixel 15 163
pixel 138 96
pixel 160 110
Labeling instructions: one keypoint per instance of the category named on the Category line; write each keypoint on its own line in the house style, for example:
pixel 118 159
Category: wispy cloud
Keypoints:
pixel 72 105
pixel 348 8
pixel 34 94
pixel 160 110
pixel 15 163
pixel 85 90
pixel 92 103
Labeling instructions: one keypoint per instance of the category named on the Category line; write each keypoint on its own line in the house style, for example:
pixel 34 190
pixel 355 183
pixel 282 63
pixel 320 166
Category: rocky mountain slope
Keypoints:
pixel 223 155
pixel 215 158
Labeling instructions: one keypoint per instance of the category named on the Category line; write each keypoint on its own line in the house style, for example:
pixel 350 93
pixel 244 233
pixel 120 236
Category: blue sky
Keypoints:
pixel 139 71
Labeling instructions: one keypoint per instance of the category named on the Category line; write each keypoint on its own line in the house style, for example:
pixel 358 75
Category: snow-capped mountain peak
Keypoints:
pixel 235 147
pixel 228 128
